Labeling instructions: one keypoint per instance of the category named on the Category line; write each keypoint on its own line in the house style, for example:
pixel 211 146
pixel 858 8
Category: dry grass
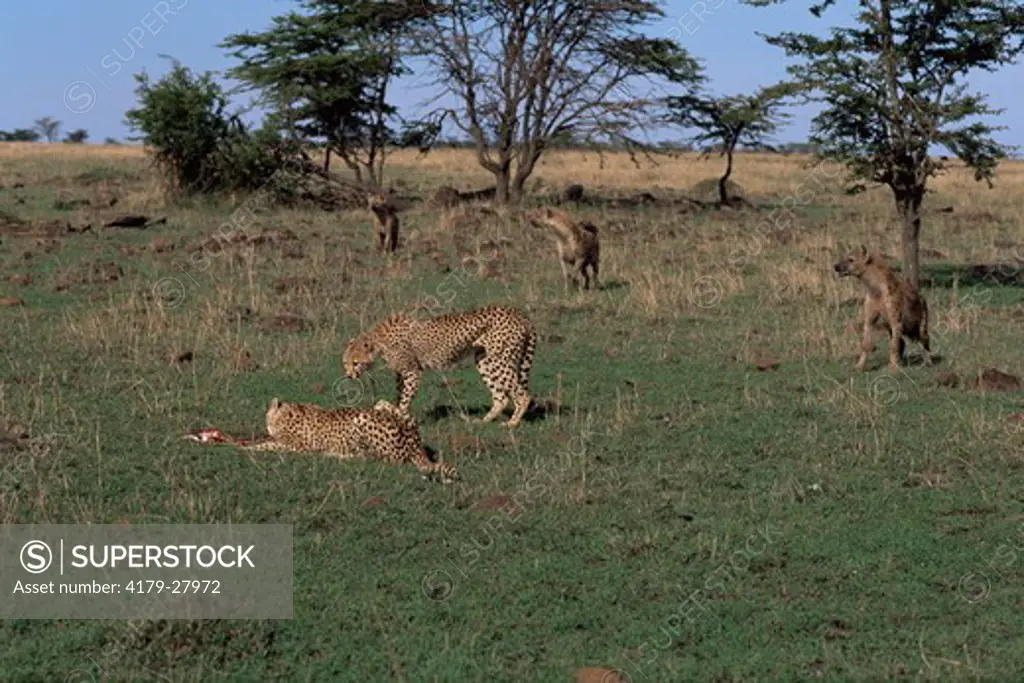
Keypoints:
pixel 711 374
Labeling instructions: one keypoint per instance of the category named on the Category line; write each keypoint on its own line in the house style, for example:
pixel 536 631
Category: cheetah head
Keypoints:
pixel 278 414
pixel 359 355
pixel 855 263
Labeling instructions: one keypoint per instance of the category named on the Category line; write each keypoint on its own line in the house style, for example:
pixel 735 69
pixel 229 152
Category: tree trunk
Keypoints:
pixel 523 173
pixel 723 192
pixel 503 178
pixel 502 184
pixel 908 203
pixel 327 161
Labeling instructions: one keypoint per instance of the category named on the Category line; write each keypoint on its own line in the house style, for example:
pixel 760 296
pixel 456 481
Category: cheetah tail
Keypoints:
pixel 443 472
pixel 447 473
pixel 529 348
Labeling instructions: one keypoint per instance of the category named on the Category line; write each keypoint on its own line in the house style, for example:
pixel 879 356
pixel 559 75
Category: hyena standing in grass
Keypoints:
pixel 387 221
pixel 889 299
pixel 577 244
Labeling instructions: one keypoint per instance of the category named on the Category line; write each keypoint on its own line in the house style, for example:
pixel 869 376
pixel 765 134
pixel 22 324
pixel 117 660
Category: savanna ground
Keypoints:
pixel 707 490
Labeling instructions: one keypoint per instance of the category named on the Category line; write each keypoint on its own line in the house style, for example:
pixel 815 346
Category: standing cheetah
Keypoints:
pixel 501 339
pixel 383 433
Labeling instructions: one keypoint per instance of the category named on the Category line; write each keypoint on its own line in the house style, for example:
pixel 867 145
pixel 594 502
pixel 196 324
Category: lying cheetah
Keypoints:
pixel 577 243
pixel 387 221
pixel 383 433
pixel 501 339
pixel 889 299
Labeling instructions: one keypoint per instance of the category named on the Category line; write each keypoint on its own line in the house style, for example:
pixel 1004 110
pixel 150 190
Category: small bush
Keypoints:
pixel 200 147
pixel 707 190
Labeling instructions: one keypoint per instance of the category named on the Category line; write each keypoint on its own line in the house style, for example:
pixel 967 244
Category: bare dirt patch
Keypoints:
pixel 239 238
pixel 285 322
pixel 496 502
pixel 996 380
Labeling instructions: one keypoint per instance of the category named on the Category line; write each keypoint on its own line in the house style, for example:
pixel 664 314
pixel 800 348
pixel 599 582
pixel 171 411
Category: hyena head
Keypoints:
pixel 541 217
pixel 855 263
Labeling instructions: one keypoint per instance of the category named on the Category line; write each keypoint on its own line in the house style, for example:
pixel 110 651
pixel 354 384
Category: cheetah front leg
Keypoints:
pixel 272 445
pixel 408 384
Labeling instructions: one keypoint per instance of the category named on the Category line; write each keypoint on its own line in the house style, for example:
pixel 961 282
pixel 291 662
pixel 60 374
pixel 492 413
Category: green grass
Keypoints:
pixel 823 518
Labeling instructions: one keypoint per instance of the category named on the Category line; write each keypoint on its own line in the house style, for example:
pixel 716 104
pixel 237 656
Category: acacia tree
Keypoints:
pixel 894 86
pixel 526 72
pixel 48 127
pixel 725 122
pixel 77 137
pixel 327 73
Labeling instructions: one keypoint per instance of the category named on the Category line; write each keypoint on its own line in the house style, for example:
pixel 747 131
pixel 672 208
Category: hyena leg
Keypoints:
pixel 593 273
pixel 566 275
pixel 586 275
pixel 393 235
pixel 491 372
pixel 408 384
pixel 923 336
pixel 895 346
pixel 865 342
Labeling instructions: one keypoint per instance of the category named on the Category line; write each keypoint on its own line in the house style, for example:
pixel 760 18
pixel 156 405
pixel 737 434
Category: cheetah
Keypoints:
pixel 891 300
pixel 387 221
pixel 383 433
pixel 577 243
pixel 501 339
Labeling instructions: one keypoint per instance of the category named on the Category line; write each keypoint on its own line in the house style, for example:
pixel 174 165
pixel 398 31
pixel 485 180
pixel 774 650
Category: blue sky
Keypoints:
pixel 75 61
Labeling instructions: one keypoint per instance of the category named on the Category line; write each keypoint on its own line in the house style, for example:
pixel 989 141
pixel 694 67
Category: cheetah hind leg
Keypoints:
pixel 489 369
pixel 522 403
pixel 522 388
